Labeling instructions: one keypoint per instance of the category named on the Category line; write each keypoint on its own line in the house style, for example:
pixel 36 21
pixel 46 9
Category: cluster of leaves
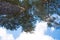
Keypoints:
pixel 54 10
pixel 24 18
pixel 12 1
pixel 11 18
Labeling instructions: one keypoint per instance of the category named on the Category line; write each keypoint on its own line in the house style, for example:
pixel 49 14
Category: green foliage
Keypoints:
pixel 12 20
pixel 23 18
pixel 12 1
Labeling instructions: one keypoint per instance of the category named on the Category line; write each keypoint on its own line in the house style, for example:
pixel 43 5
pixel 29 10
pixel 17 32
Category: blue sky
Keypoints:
pixel 39 33
pixel 55 33
pixel 42 32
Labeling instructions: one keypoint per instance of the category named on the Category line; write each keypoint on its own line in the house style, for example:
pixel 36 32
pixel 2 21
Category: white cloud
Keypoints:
pixel 38 33
pixel 4 35
pixel 52 29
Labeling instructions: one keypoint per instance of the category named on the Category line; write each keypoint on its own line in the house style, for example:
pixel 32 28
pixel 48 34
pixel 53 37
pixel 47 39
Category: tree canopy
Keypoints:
pixel 14 13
